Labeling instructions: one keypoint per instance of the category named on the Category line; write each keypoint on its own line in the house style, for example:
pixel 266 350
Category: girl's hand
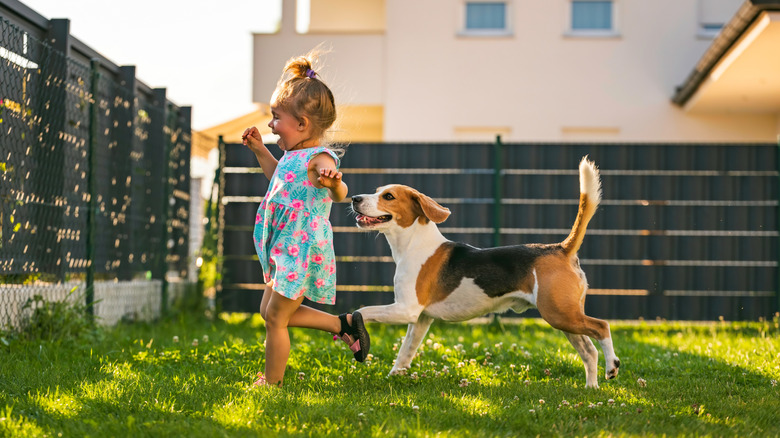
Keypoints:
pixel 329 178
pixel 253 140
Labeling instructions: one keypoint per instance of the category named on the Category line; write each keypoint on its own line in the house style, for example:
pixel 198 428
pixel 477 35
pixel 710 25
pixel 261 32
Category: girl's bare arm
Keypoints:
pixel 323 173
pixel 254 142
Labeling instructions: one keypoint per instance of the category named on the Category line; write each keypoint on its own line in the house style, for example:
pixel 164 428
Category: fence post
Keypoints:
pixel 497 158
pixel 162 102
pixel 92 205
pixel 52 183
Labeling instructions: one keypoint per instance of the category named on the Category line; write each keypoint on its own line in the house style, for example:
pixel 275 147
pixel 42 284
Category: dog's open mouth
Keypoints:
pixel 368 221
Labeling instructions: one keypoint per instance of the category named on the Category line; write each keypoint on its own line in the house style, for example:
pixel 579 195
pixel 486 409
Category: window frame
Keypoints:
pixel 506 31
pixel 592 33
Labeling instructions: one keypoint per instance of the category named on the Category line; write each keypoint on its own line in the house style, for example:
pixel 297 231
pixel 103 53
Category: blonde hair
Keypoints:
pixel 302 93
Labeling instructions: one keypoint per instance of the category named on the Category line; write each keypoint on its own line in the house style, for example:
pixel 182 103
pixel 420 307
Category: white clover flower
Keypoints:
pixel 773 382
pixel 205 338
pixel 497 367
pixel 301 376
pixel 444 357
pixel 527 382
pixel 460 365
pixel 194 342
pixel 436 345
pixel 415 408
pixel 428 342
pixel 532 411
pixel 541 402
pixel 611 401
pixel 475 345
pixel 341 378
pixel 176 339
pixel 642 382
pixel 472 361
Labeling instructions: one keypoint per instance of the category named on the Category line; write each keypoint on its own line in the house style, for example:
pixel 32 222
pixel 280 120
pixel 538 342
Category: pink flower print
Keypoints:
pixel 270 207
pixel 276 251
pixel 281 226
pixel 318 258
pixel 293 250
pixel 319 283
pixel 303 235
pixel 289 177
pixel 294 216
pixel 327 199
pixel 322 243
pixel 257 219
pixel 297 204
pixel 307 183
pixel 315 224
pixel 305 265
pixel 292 276
pixel 330 269
pixel 285 194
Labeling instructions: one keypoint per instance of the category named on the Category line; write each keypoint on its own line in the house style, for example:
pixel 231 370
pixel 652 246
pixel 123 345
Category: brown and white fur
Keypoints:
pixel 439 279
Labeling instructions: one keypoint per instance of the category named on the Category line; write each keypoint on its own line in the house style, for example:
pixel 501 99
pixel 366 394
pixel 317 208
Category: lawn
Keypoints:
pixel 191 376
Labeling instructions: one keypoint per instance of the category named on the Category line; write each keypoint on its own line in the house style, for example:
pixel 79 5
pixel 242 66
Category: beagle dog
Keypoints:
pixel 436 278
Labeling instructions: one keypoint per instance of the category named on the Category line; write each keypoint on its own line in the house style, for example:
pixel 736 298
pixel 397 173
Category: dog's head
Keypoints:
pixel 396 206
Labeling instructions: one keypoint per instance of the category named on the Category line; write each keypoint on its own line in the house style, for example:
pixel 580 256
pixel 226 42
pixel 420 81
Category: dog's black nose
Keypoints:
pixel 357 198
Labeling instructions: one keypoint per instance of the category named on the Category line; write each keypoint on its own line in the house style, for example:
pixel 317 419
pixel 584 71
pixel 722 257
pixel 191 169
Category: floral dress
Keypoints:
pixel 293 236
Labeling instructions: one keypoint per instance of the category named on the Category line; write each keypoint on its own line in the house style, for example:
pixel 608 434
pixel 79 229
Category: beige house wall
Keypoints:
pixel 538 84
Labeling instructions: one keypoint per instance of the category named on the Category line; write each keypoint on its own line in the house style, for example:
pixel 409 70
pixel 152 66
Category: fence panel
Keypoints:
pixel 684 231
pixel 94 171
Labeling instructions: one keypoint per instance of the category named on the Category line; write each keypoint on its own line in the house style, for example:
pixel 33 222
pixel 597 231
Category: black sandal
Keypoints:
pixel 356 335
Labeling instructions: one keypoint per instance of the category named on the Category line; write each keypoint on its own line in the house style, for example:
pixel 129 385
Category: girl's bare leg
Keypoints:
pixel 279 313
pixel 305 316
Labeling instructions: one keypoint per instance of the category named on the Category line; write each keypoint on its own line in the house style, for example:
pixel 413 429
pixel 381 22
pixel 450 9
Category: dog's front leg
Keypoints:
pixel 589 355
pixel 414 337
pixel 396 313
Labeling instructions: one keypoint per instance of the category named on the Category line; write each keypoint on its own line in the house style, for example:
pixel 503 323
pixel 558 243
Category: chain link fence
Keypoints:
pixel 94 178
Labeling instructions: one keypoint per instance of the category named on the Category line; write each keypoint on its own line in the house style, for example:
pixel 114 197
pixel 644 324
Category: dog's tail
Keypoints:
pixel 590 196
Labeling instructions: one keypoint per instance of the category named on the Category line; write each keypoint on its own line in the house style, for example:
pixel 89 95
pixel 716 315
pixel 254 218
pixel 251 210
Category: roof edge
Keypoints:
pixel 728 36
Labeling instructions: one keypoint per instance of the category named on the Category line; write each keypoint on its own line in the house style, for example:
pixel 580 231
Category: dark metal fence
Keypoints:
pixel 684 231
pixel 94 167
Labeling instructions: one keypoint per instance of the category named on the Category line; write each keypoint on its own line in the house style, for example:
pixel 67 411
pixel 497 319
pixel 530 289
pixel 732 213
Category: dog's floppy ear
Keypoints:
pixel 431 209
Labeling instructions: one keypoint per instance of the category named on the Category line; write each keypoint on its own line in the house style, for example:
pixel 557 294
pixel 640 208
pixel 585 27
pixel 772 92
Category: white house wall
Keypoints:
pixel 536 85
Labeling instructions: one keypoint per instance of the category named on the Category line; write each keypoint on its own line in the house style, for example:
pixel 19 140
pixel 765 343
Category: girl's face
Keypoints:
pixel 292 133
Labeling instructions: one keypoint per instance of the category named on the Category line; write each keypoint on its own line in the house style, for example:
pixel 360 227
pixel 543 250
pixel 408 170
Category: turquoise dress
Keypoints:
pixel 293 236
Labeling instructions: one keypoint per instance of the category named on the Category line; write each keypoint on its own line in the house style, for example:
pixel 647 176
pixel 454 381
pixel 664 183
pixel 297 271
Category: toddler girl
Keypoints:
pixel 293 236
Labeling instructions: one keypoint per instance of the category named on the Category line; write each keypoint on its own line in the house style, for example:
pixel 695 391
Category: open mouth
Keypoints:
pixel 368 221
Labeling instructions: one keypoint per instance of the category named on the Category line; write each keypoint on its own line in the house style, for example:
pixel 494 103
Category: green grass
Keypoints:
pixel 715 379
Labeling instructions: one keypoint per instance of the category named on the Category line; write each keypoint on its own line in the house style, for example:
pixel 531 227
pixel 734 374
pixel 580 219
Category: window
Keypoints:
pixel 485 18
pixel 713 14
pixel 595 18
pixel 588 15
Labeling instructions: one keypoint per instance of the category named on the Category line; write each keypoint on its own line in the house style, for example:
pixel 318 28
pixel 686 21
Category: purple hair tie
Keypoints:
pixel 310 73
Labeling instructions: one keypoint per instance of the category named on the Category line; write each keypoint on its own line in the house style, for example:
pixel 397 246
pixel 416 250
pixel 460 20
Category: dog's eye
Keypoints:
pixel 389 196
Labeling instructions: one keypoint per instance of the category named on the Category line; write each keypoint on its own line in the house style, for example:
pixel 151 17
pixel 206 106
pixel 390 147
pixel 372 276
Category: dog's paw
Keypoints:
pixel 612 371
pixel 397 372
